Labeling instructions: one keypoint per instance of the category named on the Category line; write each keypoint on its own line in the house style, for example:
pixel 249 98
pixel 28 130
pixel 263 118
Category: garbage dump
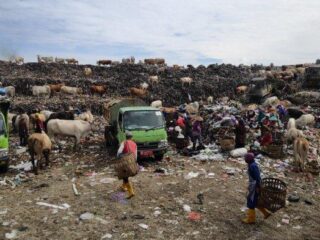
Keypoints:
pixel 211 132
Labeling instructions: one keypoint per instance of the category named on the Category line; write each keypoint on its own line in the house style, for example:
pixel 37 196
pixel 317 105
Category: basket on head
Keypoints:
pixel 126 166
pixel 273 194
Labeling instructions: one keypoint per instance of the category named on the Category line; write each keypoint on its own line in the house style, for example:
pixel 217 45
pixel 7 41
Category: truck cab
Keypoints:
pixel 146 124
pixel 259 89
pixel 4 134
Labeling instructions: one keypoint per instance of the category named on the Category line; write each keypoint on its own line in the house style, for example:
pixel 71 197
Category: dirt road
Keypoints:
pixel 157 211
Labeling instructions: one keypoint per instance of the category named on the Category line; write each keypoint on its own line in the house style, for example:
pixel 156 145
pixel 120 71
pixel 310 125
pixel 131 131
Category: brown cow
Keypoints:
pixel 138 92
pixel 150 61
pixel 98 89
pixel 300 148
pixel 56 87
pixel 104 62
pixel 168 109
pixel 160 61
pixel 72 61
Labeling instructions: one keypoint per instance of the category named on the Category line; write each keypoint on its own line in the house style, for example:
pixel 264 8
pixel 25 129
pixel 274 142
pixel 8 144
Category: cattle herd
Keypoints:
pixel 102 62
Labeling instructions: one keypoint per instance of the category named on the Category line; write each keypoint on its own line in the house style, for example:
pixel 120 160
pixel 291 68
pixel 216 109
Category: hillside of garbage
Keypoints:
pixel 214 80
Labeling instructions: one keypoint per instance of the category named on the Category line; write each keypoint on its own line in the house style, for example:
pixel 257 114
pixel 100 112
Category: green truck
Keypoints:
pixel 146 124
pixel 4 134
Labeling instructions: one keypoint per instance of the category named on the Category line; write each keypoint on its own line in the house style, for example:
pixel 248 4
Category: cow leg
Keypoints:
pixel 34 166
pixel 76 142
pixel 46 156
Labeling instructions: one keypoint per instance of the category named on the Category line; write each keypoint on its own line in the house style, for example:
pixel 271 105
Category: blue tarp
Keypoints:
pixel 2 91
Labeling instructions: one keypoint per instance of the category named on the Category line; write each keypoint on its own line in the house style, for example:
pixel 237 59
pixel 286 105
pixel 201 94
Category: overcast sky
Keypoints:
pixel 181 31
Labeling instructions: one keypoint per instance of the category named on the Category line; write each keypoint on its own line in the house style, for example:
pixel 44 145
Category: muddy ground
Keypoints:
pixel 158 203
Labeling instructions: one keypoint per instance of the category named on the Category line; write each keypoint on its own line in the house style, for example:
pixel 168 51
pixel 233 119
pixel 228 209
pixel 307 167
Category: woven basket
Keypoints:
pixel 273 194
pixel 126 166
pixel 227 144
pixel 273 151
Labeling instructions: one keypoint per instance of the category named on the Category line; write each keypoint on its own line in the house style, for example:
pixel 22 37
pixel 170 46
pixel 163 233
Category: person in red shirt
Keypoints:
pixel 266 138
pixel 128 146
pixel 181 122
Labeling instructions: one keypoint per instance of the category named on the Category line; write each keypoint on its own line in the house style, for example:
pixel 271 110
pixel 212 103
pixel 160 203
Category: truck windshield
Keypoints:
pixel 146 120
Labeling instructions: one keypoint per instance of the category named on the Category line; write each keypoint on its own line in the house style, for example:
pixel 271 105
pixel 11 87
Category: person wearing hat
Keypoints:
pixel 196 132
pixel 254 190
pixel 128 146
pixel 39 126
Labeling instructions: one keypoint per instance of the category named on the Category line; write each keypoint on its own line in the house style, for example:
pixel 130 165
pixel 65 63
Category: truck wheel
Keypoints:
pixel 158 157
pixel 4 168
pixel 108 137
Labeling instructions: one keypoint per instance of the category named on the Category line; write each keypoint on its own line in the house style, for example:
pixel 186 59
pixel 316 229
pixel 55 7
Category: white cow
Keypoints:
pixel 154 79
pixel 71 90
pixel 70 128
pixel 10 91
pixel 59 60
pixel 41 90
pixel 156 104
pixel 185 80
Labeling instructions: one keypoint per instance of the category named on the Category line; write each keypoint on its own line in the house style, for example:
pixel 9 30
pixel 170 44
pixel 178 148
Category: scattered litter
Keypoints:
pixel 231 170
pixel 75 190
pixel 161 170
pixel 191 175
pixel 285 220
pixel 86 216
pixel 144 226
pixel 200 198
pixel 157 213
pixel 244 209
pixel 293 198
pixel 211 175
pixel 186 208
pixel 21 150
pixel 63 206
pixel 239 152
pixel 298 227
pixel 11 235
pixel 107 180
pixel 3 212
pixel 194 216
pixel 119 197
pixel 24 166
pixel 308 202
pixel 106 236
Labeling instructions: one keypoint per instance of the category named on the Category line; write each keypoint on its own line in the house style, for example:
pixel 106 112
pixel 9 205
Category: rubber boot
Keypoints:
pixel 251 217
pixel 130 190
pixel 123 187
pixel 265 213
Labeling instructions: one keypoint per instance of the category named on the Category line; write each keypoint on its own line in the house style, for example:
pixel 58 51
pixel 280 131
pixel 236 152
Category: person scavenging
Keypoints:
pixel 196 133
pixel 254 189
pixel 128 146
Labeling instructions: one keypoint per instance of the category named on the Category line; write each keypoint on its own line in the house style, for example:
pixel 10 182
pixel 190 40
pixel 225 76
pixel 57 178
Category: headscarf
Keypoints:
pixel 249 157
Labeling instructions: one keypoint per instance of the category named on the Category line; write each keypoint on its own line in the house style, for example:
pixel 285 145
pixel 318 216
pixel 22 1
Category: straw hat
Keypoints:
pixel 198 118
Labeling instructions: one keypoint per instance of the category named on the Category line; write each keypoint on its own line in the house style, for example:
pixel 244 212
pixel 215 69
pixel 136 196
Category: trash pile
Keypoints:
pixel 229 130
pixel 120 78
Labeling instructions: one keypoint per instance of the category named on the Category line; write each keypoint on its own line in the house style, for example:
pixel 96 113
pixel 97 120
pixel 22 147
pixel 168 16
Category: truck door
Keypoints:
pixel 120 129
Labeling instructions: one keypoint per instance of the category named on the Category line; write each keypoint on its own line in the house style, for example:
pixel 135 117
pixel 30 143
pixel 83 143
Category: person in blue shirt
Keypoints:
pixel 254 190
